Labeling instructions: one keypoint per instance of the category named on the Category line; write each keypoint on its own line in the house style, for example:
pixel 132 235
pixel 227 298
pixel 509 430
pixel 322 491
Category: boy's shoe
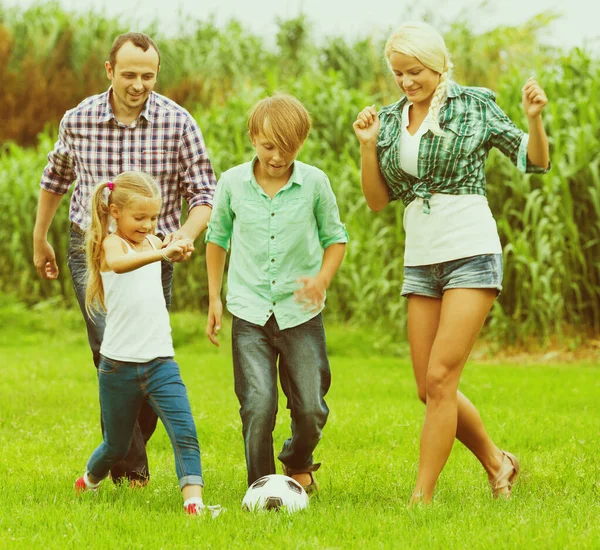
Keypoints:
pixel 311 488
pixel 506 476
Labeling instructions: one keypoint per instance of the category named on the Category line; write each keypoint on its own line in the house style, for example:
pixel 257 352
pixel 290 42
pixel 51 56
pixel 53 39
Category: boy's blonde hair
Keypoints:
pixel 422 41
pixel 282 119
pixel 126 189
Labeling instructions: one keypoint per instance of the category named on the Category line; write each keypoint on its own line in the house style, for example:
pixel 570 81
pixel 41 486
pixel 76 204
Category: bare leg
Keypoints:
pixel 190 491
pixel 441 334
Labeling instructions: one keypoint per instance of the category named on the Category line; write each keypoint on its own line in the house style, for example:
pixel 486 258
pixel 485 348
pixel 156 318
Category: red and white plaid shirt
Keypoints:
pixel 165 142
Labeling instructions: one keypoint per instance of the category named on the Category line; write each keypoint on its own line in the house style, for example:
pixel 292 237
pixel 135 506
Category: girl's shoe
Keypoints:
pixel 84 484
pixel 200 509
pixel 506 476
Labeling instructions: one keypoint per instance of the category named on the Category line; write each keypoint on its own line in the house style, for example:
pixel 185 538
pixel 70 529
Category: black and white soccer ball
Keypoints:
pixel 275 492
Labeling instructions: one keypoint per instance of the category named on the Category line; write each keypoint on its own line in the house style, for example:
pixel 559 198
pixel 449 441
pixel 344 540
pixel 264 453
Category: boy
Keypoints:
pixel 280 214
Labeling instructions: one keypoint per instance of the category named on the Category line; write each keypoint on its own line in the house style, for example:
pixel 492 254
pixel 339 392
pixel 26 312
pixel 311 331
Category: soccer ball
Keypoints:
pixel 275 492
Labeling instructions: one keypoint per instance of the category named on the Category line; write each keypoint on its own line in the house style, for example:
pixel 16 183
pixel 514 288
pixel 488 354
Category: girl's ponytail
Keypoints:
pixel 97 232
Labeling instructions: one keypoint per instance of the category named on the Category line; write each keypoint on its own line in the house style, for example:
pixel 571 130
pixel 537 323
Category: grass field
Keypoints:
pixel 548 414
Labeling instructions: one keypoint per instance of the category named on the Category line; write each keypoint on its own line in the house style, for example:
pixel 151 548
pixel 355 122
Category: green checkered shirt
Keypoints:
pixel 454 163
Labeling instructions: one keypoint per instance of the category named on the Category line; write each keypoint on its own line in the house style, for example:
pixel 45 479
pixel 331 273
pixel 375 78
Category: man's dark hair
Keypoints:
pixel 138 39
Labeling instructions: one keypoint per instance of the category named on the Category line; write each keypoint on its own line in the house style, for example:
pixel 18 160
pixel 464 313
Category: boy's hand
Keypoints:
pixel 213 323
pixel 311 293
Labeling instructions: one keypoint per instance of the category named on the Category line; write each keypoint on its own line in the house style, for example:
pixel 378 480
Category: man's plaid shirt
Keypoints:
pixel 454 163
pixel 165 142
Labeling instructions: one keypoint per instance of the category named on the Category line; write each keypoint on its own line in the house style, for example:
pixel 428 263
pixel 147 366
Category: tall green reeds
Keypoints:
pixel 549 225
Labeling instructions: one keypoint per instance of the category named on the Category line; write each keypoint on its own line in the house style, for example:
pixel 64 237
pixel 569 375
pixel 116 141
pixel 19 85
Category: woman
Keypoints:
pixel 429 150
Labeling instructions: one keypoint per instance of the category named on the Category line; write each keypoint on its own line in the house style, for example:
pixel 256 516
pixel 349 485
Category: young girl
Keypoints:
pixel 137 351
pixel 429 149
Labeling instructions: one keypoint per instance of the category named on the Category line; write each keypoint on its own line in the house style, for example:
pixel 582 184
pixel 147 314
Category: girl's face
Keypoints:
pixel 416 81
pixel 137 219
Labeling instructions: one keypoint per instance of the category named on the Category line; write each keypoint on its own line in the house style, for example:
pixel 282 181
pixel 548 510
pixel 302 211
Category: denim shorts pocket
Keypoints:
pixel 109 366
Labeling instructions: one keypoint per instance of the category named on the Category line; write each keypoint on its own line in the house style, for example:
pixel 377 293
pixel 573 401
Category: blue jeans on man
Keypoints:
pixel 124 388
pixel 135 465
pixel 305 379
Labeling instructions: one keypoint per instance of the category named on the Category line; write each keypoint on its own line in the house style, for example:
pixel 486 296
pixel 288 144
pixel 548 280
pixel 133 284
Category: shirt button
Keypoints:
pixel 272 260
pixel 274 303
pixel 272 213
pixel 272 236
pixel 272 282
pixel 270 311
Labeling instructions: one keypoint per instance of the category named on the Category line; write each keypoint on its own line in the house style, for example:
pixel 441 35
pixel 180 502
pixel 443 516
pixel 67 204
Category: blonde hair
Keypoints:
pixel 126 189
pixel 422 41
pixel 282 119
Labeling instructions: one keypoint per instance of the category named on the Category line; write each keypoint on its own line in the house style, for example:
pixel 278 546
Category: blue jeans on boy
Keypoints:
pixel 124 387
pixel 135 465
pixel 305 379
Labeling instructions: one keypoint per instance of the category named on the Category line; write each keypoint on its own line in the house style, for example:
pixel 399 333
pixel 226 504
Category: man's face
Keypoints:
pixel 133 78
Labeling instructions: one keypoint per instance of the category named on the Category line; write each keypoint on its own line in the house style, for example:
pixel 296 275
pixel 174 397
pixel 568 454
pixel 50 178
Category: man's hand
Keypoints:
pixel 44 259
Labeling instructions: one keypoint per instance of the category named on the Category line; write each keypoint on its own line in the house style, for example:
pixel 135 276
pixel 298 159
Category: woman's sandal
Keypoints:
pixel 506 476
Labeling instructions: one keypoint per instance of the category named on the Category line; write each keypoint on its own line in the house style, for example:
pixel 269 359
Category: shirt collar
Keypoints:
pixel 106 112
pixel 296 176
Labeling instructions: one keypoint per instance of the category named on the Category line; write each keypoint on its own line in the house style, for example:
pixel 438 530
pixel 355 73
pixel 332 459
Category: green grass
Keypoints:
pixel 547 414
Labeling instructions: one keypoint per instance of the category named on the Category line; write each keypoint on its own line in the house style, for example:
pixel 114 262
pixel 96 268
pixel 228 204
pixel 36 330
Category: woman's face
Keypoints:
pixel 414 79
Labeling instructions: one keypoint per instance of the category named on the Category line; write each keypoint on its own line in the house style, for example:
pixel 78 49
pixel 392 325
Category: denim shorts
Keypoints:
pixel 484 271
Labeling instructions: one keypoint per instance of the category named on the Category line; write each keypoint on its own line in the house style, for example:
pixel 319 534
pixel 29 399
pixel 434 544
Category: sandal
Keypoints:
pixel 506 476
pixel 312 487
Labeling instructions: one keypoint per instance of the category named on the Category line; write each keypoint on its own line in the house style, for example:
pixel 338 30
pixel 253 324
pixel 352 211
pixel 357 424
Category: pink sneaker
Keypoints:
pixel 84 484
pixel 196 509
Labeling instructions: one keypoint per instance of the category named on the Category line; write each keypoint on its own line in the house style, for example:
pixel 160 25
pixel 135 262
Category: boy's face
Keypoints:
pixel 273 161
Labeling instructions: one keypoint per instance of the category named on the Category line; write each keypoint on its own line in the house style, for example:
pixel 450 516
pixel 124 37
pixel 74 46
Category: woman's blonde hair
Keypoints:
pixel 123 191
pixel 282 119
pixel 422 41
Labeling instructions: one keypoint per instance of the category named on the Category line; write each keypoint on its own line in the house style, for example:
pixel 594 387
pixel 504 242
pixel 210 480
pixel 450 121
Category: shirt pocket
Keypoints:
pixel 157 162
pixel 296 211
pixel 459 141
pixel 249 212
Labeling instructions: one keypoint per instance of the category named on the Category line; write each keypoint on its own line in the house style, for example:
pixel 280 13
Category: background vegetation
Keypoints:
pixel 549 225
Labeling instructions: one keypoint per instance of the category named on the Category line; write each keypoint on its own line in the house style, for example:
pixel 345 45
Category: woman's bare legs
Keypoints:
pixel 441 334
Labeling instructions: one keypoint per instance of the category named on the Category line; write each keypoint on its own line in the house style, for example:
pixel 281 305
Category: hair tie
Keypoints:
pixel 110 185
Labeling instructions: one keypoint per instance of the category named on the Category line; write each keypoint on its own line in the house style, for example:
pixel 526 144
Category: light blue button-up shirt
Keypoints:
pixel 273 241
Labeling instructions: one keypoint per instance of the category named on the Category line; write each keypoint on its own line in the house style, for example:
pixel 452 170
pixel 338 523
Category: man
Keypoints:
pixel 128 127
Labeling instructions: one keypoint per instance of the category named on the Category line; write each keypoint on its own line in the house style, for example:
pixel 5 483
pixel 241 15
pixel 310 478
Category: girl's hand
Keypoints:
pixel 534 98
pixel 311 293
pixel 366 126
pixel 213 323
pixel 176 236
pixel 179 250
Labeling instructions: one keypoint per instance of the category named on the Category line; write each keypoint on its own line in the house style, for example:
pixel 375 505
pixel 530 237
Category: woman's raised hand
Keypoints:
pixel 366 126
pixel 534 98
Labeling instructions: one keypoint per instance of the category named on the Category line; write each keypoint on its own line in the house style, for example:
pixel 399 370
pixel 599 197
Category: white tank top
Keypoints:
pixel 458 226
pixel 137 321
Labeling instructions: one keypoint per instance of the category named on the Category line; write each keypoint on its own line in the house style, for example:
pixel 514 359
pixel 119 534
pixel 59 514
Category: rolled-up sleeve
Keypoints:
pixel 331 228
pixel 220 225
pixel 59 173
pixel 196 176
pixel 511 140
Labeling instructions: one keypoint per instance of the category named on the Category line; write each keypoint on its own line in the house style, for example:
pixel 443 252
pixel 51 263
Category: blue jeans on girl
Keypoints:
pixel 135 464
pixel 124 387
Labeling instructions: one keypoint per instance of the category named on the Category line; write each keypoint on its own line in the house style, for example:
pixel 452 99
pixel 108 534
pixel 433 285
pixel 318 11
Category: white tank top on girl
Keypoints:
pixel 137 321
pixel 457 226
